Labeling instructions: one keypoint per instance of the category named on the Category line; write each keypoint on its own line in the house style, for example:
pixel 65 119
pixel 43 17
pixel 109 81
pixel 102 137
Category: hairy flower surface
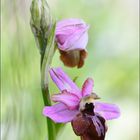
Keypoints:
pixel 80 107
pixel 72 39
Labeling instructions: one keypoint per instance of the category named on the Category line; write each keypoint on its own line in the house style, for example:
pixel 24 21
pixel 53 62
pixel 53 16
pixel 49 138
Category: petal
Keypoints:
pixel 76 41
pixel 69 22
pixel 71 29
pixel 108 111
pixel 68 30
pixel 63 82
pixel 87 87
pixel 68 27
pixel 61 39
pixel 69 99
pixel 59 113
pixel 71 34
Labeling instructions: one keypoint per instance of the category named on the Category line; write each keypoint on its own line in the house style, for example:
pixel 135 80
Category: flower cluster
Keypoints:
pixel 79 106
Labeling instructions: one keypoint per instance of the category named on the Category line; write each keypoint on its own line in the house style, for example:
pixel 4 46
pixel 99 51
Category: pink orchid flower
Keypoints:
pixel 72 39
pixel 73 101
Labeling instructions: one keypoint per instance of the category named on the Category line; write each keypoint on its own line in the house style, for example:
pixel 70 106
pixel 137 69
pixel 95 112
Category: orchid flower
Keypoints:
pixel 72 39
pixel 75 104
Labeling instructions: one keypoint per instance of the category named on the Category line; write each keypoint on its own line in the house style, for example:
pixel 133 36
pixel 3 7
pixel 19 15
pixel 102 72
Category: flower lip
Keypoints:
pixel 77 57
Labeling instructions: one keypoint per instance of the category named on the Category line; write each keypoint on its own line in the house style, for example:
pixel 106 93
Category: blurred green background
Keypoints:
pixel 112 62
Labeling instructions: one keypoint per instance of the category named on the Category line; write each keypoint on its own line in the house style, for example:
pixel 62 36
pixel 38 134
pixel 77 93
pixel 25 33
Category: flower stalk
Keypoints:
pixel 44 33
pixel 45 65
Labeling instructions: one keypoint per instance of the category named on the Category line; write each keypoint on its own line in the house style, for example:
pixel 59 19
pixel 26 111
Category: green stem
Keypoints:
pixel 50 124
pixel 47 102
pixel 46 59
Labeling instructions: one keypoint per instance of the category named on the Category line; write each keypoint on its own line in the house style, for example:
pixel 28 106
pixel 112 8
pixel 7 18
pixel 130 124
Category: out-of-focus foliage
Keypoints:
pixel 112 62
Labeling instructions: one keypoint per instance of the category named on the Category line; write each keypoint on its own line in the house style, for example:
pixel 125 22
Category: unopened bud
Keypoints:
pixel 41 22
pixel 36 13
pixel 46 19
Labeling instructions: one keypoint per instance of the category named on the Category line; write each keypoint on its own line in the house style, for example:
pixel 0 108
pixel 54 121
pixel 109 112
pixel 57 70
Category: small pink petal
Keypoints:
pixel 59 113
pixel 63 82
pixel 80 43
pixel 69 99
pixel 70 22
pixel 87 87
pixel 68 30
pixel 108 111
pixel 76 41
